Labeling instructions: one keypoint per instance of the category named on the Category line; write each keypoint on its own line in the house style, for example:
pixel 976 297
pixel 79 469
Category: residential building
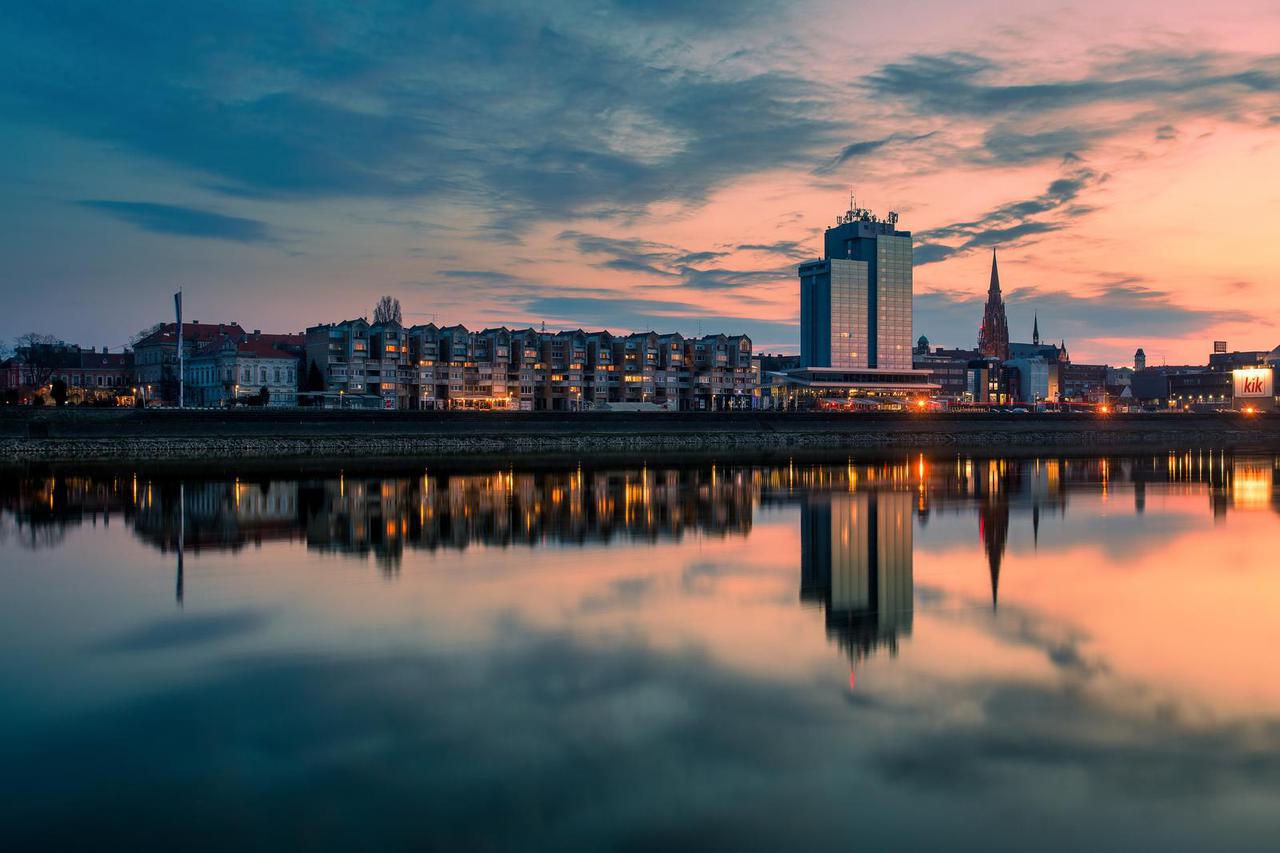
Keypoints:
pixel 156 355
pixel 365 365
pixel 235 370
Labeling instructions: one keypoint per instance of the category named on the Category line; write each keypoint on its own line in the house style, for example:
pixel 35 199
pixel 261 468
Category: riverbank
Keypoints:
pixel 87 435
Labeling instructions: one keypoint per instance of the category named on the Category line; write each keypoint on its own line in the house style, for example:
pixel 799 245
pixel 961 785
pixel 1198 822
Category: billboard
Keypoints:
pixel 1253 382
pixel 1219 346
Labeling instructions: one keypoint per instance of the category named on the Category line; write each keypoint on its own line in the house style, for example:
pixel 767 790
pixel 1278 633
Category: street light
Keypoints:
pixel 342 398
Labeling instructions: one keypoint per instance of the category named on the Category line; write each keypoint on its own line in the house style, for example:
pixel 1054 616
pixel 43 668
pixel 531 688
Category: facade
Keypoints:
pixel 993 334
pixel 948 369
pixel 855 303
pixel 365 365
pixel 1084 383
pixel 1201 389
pixel 156 355
pixel 233 371
pixel 855 321
pixel 91 375
pixel 1029 381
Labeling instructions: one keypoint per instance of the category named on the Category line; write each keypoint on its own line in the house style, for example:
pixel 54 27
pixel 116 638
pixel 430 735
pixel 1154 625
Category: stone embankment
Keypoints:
pixel 71 436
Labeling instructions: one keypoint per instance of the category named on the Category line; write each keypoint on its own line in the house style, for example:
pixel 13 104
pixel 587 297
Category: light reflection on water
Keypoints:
pixel 919 652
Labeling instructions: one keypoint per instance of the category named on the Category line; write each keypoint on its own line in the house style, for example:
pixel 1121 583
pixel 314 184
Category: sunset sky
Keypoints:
pixel 641 164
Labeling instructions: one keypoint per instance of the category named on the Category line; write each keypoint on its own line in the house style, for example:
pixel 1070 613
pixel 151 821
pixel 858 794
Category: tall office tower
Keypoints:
pixel 855 303
pixel 993 334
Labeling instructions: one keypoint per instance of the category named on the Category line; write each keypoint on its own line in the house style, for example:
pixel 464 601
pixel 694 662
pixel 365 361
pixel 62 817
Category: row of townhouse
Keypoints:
pixel 362 364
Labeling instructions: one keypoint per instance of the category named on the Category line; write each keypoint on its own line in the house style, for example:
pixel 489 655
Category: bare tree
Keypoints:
pixel 40 354
pixel 146 333
pixel 387 310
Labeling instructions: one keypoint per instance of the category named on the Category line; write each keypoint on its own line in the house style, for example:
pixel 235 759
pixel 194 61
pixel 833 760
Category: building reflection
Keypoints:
pixel 855 563
pixel 856 519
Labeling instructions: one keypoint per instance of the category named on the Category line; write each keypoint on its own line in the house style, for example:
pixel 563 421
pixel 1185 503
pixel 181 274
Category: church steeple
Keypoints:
pixel 1035 331
pixel 993 334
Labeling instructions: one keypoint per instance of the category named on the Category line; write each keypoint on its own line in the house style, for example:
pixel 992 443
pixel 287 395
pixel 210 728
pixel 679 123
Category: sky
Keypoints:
pixel 636 164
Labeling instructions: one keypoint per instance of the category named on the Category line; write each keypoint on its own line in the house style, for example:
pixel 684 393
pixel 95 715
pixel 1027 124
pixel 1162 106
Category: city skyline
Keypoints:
pixel 632 167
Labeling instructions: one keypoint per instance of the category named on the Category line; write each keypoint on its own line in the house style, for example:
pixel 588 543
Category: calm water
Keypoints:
pixel 959 653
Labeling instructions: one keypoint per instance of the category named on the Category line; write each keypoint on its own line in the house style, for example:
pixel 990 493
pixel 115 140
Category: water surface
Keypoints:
pixel 911 653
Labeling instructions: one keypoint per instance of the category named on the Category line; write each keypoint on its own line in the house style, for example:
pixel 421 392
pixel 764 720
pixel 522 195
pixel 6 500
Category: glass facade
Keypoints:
pixel 849 330
pixel 855 306
pixel 893 302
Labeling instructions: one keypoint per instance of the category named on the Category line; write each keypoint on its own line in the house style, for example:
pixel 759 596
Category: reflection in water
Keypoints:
pixel 856 562
pixel 855 519
pixel 561 656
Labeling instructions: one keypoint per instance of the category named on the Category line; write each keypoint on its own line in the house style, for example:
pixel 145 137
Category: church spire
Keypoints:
pixel 1035 330
pixel 993 334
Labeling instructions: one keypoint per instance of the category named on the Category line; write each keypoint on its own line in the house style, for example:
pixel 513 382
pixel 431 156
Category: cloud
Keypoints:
pixel 1046 118
pixel 1122 307
pixel 855 150
pixel 660 315
pixel 664 261
pixel 184 221
pixel 787 248
pixel 520 109
pixel 1013 223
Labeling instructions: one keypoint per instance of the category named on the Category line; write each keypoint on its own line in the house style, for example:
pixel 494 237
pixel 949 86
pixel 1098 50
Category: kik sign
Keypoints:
pixel 1253 382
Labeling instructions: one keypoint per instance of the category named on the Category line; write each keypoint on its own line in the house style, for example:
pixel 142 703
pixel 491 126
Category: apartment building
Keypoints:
pixel 365 365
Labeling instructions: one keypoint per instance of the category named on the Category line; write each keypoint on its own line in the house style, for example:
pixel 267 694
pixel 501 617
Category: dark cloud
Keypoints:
pixel 1125 307
pixel 184 221
pixel 787 248
pixel 670 262
pixel 855 150
pixel 1012 223
pixel 519 107
pixel 1032 121
pixel 659 315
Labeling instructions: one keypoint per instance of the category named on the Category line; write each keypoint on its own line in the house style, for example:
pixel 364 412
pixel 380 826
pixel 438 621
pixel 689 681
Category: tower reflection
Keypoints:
pixel 856 564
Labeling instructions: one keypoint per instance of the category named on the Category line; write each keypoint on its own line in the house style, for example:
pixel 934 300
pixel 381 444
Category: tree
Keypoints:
pixel 147 332
pixel 40 355
pixel 264 396
pixel 59 392
pixel 315 379
pixel 387 311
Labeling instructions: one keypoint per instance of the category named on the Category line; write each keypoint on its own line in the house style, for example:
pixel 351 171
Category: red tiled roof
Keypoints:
pixel 191 332
pixel 258 347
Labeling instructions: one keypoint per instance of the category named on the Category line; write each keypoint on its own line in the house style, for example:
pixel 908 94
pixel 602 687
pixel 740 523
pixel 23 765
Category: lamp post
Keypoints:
pixel 235 395
pixel 342 398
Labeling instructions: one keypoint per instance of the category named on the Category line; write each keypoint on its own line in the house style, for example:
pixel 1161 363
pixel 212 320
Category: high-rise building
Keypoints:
pixel 993 335
pixel 855 303
pixel 855 322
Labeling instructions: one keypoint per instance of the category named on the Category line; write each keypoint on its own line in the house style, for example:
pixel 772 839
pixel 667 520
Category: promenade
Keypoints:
pixel 87 436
